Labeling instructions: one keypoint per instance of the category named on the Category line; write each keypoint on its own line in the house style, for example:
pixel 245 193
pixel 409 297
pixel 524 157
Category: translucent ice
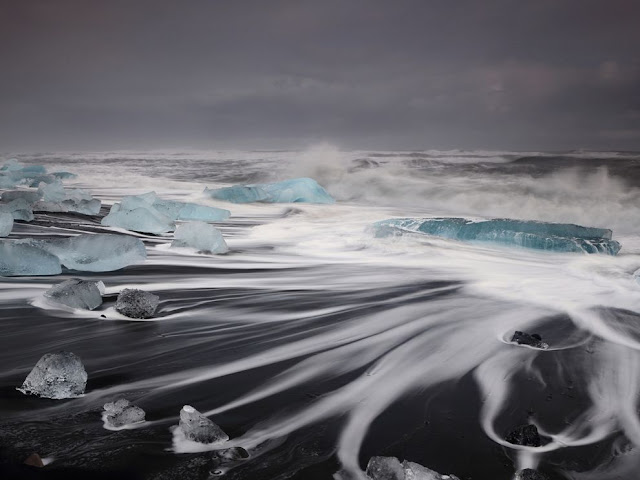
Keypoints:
pixel 198 428
pixel 146 220
pixel 6 224
pixel 559 237
pixel 390 468
pixel 190 211
pixel 77 293
pixel 18 258
pixel 30 196
pixel 304 190
pixel 135 303
pixel 200 236
pixel 56 375
pixel 121 412
pixel 19 209
pixel 94 252
pixel 56 198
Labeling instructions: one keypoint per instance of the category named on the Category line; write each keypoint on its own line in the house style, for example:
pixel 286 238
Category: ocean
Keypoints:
pixel 316 345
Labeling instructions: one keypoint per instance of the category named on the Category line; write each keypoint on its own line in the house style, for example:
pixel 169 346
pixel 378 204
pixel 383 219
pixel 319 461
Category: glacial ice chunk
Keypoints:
pixel 57 376
pixel 200 236
pixel 94 252
pixel 530 474
pixel 30 196
pixel 190 211
pixel 198 428
pixel 11 165
pixel 134 303
pixel 56 198
pixel 304 190
pixel 146 220
pixel 17 258
pixel 122 412
pixel 19 209
pixel 6 224
pixel 77 293
pixel 390 468
pixel 558 237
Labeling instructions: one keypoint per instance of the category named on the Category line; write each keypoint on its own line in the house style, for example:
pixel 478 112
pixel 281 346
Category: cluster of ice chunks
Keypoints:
pixel 303 190
pixel 200 236
pixel 134 303
pixel 390 468
pixel 121 413
pixel 13 174
pixel 18 259
pixel 77 293
pixel 198 428
pixel 55 198
pixel 149 214
pixel 57 376
pixel 558 237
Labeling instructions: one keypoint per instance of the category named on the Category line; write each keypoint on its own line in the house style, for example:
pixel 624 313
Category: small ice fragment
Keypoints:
pixel 19 209
pixel 77 293
pixel 6 224
pixel 526 435
pixel 198 428
pixel 57 376
pixel 200 236
pixel 21 259
pixel 304 190
pixel 94 252
pixel 134 303
pixel 530 474
pixel 121 412
pixel 390 468
pixel 533 340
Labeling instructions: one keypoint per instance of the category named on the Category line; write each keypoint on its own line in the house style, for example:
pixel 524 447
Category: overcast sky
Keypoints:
pixel 383 74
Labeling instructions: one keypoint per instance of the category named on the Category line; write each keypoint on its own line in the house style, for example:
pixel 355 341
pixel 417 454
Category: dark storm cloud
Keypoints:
pixel 539 74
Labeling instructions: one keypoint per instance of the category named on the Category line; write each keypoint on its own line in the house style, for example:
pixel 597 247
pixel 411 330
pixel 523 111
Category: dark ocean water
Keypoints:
pixel 315 345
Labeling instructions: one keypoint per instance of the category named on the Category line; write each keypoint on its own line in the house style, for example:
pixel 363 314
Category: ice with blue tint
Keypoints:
pixel 12 165
pixel 30 196
pixel 297 190
pixel 19 208
pixel 200 236
pixel 56 198
pixel 6 224
pixel 93 253
pixel 190 211
pixel 557 237
pixel 17 258
pixel 141 219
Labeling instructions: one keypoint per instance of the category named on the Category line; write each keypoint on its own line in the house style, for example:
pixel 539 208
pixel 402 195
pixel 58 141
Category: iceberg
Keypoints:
pixel 390 468
pixel 30 196
pixel 19 209
pixel 297 190
pixel 198 428
pixel 200 236
pixel 77 293
pixel 557 237
pixel 121 413
pixel 21 259
pixel 57 376
pixel 6 224
pixel 135 303
pixel 101 252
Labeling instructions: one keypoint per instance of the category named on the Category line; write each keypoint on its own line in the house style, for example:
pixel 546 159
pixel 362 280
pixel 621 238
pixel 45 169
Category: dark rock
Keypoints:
pixel 34 460
pixel 530 474
pixel 135 303
pixel 532 340
pixel 233 454
pixel 526 435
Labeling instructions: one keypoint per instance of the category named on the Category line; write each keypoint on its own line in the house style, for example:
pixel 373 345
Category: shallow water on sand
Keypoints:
pixel 315 345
